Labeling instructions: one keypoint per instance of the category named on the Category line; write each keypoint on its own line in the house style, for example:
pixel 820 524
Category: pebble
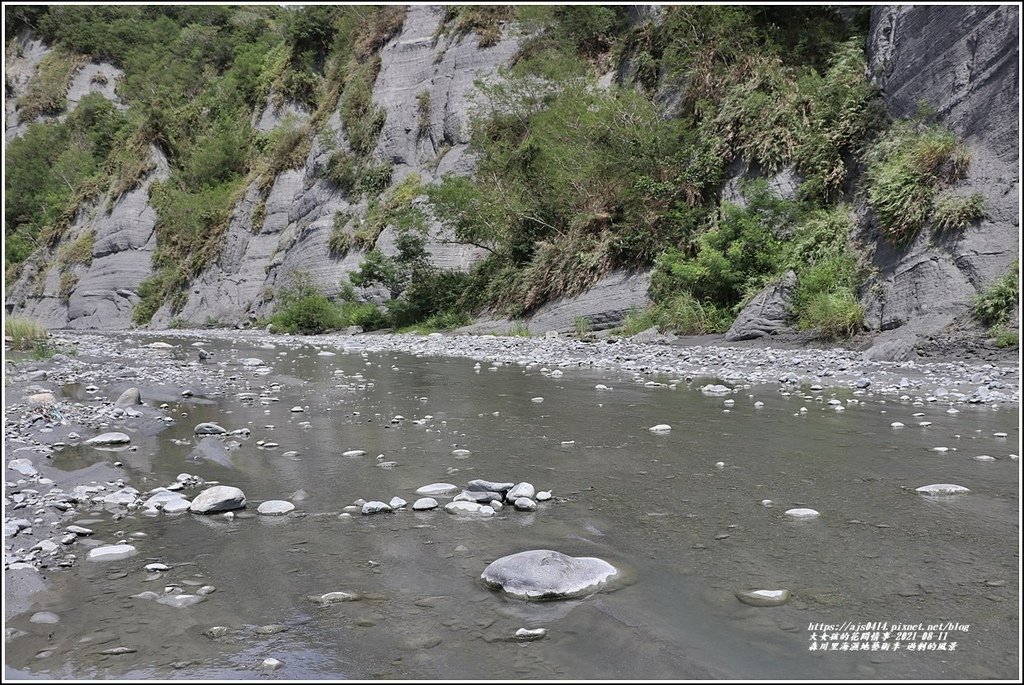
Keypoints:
pixel 115 438
pixel 271 664
pixel 353 453
pixel 660 428
pixel 424 504
pixel 543 496
pixel 209 428
pixel 397 503
pixel 802 513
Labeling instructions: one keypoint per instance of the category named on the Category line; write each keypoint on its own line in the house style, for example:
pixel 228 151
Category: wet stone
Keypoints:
pixel 424 504
pixel 764 598
pixel 111 553
pixel 275 507
pixel 217 499
pixel 547 574
pixel 439 489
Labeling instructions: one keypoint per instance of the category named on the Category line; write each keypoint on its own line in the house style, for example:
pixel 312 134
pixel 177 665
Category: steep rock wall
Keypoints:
pixel 963 62
pixel 301 207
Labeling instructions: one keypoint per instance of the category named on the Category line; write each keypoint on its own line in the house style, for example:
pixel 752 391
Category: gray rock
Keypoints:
pixel 523 489
pixel 939 489
pixel 438 489
pixel 397 503
pixel 41 399
pixel 916 54
pixel 802 513
pixel 543 496
pixel 274 507
pixel 764 598
pixel 22 466
pixel 604 305
pixel 111 553
pixel 180 601
pixel 528 634
pixel 525 504
pixel 44 617
pixel 766 314
pixel 210 428
pixel 479 485
pixel 168 501
pixel 114 438
pixel 216 499
pixel 545 574
pixel 424 504
pixel 469 508
pixel 128 398
pixel 375 507
pixel 480 497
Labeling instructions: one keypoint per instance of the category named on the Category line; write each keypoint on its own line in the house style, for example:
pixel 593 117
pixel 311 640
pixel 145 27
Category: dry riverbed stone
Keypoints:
pixel 216 499
pixel 543 574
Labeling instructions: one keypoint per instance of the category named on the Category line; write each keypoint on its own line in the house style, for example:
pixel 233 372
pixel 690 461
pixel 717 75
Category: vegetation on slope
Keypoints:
pixel 575 177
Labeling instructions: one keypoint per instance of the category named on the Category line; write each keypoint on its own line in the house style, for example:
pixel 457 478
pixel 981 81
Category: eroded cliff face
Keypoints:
pixel 963 62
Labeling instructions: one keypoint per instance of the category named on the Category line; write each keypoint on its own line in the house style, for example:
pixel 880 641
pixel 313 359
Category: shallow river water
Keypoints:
pixel 686 532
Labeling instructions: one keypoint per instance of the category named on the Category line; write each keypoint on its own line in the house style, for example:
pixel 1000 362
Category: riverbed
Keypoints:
pixel 689 516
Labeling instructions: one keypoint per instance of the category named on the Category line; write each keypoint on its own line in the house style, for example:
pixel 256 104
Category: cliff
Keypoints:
pixel 960 60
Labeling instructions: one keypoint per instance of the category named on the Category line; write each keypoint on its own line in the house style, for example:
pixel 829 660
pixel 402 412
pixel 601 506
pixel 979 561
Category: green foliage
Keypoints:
pixel 48 89
pixel 287 147
pixel 483 20
pixel 300 308
pixel 956 212
pixel 994 305
pixel 1005 337
pixel 834 315
pixel 340 239
pixel 518 330
pixel 23 333
pixel 363 120
pixel 393 208
pixel 907 167
pixel 423 112
pixel 581 326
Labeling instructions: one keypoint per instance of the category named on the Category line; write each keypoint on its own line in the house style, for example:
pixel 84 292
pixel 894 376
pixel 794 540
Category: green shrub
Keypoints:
pixel 834 315
pixel 1005 337
pixel 340 240
pixel 955 212
pixel 48 89
pixel 483 20
pixel 684 314
pixel 300 308
pixel 423 110
pixel 342 170
pixel 363 314
pixel 993 306
pixel 23 333
pixel 637 320
pixel 518 329
pixel 363 120
pixel 906 168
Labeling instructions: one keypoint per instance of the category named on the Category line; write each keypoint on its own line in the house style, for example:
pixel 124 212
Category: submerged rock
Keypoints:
pixel 375 507
pixel 545 574
pixel 472 508
pixel 802 513
pixel 216 499
pixel 114 438
pixel 480 485
pixel 274 507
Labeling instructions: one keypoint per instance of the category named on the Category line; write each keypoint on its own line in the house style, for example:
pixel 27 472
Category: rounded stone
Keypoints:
pixel 114 438
pixel 525 504
pixel 802 513
pixel 437 490
pixel 217 499
pixel 424 504
pixel 544 574
pixel 375 507
pixel 660 428
pixel 274 507
pixel 942 489
pixel 764 598
pixel 111 553
pixel 209 428
pixel 523 489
